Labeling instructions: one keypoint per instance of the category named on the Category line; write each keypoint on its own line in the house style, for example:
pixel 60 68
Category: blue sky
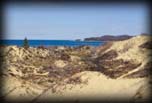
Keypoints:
pixel 73 21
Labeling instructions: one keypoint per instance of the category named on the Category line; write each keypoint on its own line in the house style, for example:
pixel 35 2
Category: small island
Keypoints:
pixel 78 40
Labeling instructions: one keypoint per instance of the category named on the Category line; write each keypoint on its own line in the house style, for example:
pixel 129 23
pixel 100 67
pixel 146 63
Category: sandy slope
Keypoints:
pixel 98 87
pixel 127 51
pixel 18 89
pixel 130 49
pixel 94 86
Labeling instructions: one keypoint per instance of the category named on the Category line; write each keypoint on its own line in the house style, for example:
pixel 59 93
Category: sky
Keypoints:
pixel 73 21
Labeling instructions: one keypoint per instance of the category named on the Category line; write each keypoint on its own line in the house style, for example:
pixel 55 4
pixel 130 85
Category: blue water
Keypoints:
pixel 51 43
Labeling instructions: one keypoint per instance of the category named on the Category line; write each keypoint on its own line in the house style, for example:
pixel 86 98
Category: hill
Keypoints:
pixel 109 38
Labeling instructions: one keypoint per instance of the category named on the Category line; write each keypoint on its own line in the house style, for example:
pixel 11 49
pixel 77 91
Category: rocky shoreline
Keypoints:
pixel 37 70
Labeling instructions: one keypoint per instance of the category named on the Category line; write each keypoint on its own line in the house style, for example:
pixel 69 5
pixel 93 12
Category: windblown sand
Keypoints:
pixel 94 86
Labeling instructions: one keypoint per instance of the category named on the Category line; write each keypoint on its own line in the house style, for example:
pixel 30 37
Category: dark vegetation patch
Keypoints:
pixel 143 72
pixel 56 76
pixel 107 56
pixel 42 47
pixel 65 57
pixel 76 80
pixel 147 45
pixel 65 72
pixel 117 68
pixel 138 74
pixel 148 66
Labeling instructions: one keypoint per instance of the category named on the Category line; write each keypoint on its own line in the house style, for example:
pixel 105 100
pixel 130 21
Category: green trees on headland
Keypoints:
pixel 25 43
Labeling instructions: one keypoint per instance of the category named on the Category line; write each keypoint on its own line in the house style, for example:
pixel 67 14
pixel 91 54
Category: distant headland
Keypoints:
pixel 109 38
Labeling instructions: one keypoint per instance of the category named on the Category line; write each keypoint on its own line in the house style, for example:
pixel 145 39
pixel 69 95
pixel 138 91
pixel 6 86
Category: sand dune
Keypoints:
pixel 115 71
